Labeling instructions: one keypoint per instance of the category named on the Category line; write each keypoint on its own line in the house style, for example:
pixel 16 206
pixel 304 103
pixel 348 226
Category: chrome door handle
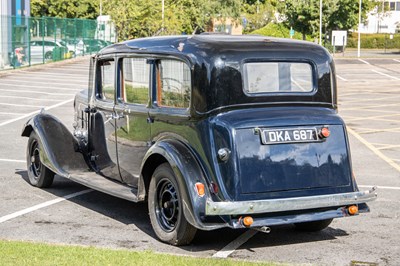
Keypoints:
pixel 115 116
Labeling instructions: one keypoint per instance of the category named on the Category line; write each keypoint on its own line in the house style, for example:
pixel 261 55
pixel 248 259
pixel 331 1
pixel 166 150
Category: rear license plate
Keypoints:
pixel 291 135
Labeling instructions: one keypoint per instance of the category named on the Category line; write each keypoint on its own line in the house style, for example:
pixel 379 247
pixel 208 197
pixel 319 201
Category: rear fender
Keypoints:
pixel 188 172
pixel 60 149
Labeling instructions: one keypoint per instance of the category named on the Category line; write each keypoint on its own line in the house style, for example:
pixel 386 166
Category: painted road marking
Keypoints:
pixel 371 130
pixel 45 82
pixel 374 149
pixel 35 112
pixel 28 98
pixel 44 73
pixel 22 105
pixel 235 244
pixel 370 106
pixel 372 100
pixel 39 92
pixel 43 205
pixel 365 62
pixel 6 113
pixel 396 60
pixel 353 118
pixel 380 187
pixel 341 77
pixel 50 86
pixel 386 75
pixel 12 161
pixel 48 80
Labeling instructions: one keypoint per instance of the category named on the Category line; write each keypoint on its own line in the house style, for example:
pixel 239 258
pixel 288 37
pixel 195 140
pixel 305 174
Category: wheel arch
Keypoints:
pixel 56 141
pixel 187 171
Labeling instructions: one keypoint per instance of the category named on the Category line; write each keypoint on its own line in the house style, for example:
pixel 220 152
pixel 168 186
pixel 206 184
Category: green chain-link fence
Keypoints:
pixel 26 41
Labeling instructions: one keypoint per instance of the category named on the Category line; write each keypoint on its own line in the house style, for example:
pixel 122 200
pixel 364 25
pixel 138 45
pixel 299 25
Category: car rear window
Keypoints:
pixel 277 77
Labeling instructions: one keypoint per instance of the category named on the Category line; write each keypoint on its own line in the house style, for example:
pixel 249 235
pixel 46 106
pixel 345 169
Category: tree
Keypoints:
pixel 257 14
pixel 303 15
pixel 345 15
pixel 135 18
pixel 65 8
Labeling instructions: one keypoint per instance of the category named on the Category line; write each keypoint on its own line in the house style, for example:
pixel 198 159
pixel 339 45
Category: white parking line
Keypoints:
pixel 48 80
pixel 51 73
pixel 22 105
pixel 386 75
pixel 28 98
pixel 43 82
pixel 38 92
pixel 235 244
pixel 365 62
pixel 12 161
pixel 50 86
pixel 7 113
pixel 43 205
pixel 35 112
pixel 341 77
pixel 380 187
pixel 374 150
pixel 396 60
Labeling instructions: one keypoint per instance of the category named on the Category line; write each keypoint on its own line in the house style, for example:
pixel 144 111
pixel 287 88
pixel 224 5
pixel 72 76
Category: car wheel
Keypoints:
pixel 39 175
pixel 48 55
pixel 166 209
pixel 313 226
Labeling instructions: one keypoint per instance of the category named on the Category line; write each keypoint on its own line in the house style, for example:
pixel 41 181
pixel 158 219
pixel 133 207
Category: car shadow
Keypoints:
pixel 127 212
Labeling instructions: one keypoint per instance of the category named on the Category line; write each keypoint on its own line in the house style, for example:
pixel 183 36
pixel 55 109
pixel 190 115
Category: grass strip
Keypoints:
pixel 28 253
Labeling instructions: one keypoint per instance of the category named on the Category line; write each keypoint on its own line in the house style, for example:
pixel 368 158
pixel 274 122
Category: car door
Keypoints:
pixel 133 128
pixel 102 129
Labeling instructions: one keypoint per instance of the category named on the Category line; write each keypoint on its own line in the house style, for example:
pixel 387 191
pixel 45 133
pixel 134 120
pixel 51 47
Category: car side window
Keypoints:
pixel 105 85
pixel 135 81
pixel 173 84
pixel 47 43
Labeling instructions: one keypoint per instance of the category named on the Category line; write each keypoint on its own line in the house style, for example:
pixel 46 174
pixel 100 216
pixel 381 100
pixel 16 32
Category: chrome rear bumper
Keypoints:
pixel 289 204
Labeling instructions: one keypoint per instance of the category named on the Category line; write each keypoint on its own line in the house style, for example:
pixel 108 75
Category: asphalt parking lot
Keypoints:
pixel 369 102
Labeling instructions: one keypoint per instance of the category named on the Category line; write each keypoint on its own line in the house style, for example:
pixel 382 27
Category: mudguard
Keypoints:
pixel 60 148
pixel 188 172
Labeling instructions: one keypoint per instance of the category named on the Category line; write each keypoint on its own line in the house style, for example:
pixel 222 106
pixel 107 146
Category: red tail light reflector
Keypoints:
pixel 325 132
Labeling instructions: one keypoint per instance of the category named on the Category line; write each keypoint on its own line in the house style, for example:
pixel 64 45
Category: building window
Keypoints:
pixel 392 6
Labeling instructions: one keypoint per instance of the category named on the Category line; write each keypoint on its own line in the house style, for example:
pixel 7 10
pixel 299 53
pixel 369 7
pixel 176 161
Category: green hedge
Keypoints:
pixel 374 41
pixel 280 31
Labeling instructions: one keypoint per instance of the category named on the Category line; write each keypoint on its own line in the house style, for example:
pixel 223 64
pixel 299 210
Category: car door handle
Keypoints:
pixel 115 116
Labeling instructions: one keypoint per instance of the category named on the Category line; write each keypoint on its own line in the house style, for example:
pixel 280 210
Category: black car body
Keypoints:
pixel 213 131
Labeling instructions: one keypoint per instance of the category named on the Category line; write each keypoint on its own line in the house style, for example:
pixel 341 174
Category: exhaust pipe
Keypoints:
pixel 264 229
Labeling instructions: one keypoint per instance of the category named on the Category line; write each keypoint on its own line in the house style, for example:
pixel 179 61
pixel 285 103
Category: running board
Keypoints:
pixel 100 183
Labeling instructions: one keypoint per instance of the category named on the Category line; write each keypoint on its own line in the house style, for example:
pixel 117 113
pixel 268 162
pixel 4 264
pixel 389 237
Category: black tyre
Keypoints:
pixel 166 209
pixel 39 175
pixel 48 55
pixel 313 226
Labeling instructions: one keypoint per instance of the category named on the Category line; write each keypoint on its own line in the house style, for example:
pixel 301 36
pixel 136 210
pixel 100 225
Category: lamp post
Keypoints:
pixel 359 28
pixel 162 16
pixel 320 22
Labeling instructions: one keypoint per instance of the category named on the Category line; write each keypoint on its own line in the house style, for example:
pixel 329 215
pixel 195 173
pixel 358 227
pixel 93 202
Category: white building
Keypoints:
pixel 13 28
pixel 384 18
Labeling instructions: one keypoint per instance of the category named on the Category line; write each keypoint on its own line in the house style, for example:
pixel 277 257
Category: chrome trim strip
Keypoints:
pixel 289 204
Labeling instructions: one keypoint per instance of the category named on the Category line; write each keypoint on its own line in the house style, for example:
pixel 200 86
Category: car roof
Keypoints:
pixel 217 60
pixel 186 44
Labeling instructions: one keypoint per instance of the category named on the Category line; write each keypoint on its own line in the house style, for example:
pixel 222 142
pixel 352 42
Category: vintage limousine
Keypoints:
pixel 211 130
